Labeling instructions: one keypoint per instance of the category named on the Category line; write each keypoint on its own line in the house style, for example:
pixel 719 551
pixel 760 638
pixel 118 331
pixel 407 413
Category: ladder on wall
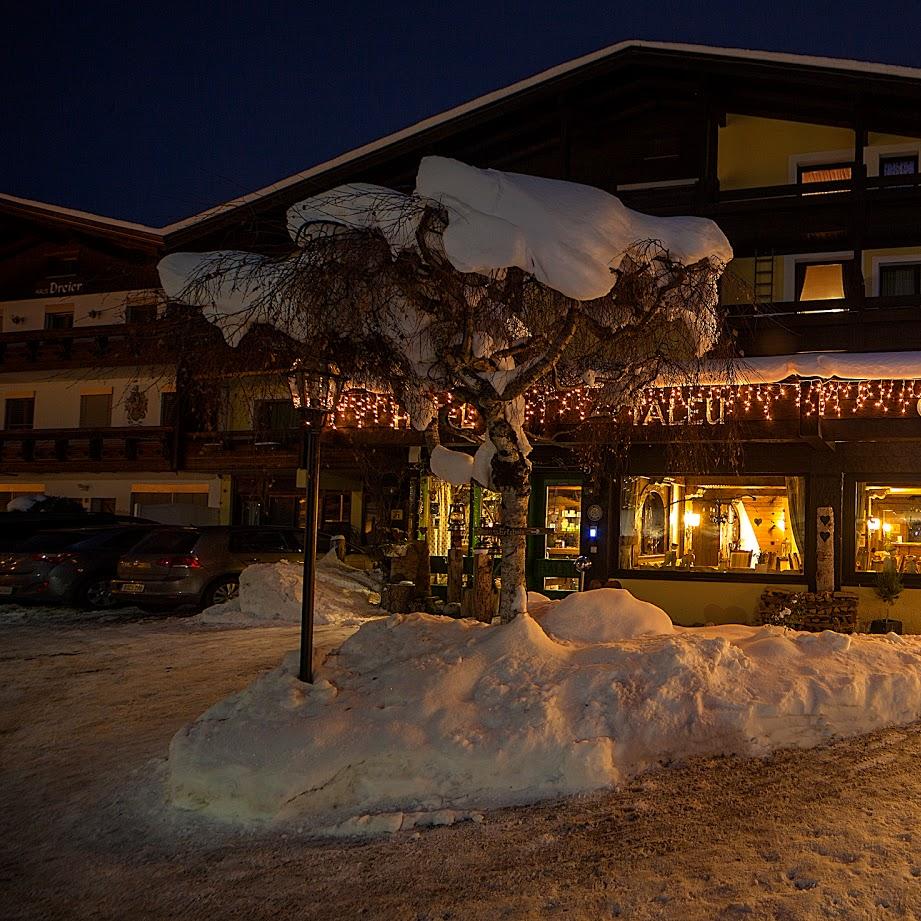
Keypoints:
pixel 764 278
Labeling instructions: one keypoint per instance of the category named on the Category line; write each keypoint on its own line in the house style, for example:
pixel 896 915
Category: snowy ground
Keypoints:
pixel 88 709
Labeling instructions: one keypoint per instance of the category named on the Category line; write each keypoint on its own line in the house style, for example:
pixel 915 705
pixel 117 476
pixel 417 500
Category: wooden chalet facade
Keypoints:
pixel 811 168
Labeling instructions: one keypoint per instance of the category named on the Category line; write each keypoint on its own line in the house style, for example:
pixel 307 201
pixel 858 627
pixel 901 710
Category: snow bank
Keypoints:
pixel 26 502
pixel 271 593
pixel 422 719
pixel 604 615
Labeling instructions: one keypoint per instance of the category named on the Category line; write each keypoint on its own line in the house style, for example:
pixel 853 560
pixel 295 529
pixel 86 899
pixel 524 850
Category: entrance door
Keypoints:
pixel 556 503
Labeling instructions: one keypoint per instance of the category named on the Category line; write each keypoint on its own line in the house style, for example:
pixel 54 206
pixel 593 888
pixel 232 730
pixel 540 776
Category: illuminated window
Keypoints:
pixel 713 524
pixel 824 172
pixel 819 281
pixel 564 517
pixel 888 527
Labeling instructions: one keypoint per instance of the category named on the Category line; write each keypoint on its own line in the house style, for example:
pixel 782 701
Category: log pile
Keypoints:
pixel 811 611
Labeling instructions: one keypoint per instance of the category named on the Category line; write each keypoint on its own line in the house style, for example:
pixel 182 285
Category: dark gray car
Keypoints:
pixel 199 565
pixel 67 566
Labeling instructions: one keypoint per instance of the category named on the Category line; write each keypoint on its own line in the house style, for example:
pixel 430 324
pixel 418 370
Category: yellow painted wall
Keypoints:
pixel 736 602
pixel 756 151
pixel 704 602
pixel 906 609
pixel 739 288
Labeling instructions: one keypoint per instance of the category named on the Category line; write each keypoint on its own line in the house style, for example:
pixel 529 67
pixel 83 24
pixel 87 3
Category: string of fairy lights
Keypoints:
pixel 699 404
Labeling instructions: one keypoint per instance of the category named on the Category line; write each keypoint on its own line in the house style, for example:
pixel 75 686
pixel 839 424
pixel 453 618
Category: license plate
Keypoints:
pixel 6 589
pixel 133 587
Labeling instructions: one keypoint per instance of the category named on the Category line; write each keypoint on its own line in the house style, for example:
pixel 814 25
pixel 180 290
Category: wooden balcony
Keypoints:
pixel 142 448
pixel 791 218
pixel 873 324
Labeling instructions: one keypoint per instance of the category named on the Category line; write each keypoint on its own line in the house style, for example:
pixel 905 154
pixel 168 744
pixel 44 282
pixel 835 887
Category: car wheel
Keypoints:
pixel 95 595
pixel 221 591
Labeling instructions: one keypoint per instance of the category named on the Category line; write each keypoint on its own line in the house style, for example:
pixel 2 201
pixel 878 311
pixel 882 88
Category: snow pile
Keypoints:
pixel 604 615
pixel 271 593
pixel 427 720
pixel 26 502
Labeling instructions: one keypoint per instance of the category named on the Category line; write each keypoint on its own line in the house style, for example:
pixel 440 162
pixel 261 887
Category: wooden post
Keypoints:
pixel 480 599
pixel 825 549
pixel 455 575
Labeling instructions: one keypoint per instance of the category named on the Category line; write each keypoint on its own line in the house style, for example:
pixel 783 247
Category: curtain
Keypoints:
pixel 797 505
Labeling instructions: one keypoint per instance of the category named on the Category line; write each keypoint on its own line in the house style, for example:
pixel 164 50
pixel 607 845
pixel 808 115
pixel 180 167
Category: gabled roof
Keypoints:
pixel 840 65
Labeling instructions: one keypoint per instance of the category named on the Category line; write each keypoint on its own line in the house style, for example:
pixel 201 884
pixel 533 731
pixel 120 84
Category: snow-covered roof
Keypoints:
pixel 801 60
pixel 79 216
pixel 481 102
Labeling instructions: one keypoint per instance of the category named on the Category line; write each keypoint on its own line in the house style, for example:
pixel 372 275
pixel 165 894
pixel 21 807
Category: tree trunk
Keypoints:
pixel 511 475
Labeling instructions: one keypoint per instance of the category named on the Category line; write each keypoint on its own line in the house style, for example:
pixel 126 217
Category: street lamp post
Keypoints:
pixel 314 394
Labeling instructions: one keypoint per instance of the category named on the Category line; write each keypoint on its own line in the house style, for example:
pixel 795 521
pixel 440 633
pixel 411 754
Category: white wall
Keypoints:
pixel 57 393
pixel 110 305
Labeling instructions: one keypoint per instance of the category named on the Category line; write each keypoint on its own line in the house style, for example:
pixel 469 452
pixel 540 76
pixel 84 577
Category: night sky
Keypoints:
pixel 152 112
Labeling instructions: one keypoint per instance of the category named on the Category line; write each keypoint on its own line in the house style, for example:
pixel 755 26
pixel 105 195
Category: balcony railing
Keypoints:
pixel 138 447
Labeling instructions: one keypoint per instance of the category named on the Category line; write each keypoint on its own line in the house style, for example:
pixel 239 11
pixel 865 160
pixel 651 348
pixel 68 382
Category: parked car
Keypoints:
pixel 199 565
pixel 18 527
pixel 71 566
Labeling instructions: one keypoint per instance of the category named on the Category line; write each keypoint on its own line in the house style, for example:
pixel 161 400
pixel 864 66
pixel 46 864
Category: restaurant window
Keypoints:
pixel 900 279
pixel 713 524
pixel 819 281
pixel 59 319
pixel 19 413
pixel 824 172
pixel 95 410
pixel 888 527
pixel 899 165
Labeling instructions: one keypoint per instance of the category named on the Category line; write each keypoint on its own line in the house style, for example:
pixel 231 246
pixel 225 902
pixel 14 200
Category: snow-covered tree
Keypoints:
pixel 483 285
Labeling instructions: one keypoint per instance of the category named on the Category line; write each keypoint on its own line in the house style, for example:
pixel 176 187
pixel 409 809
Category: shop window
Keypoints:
pixel 900 279
pixel 819 281
pixel 59 319
pixel 713 524
pixel 899 165
pixel 824 172
pixel 95 410
pixel 564 518
pixel 888 528
pixel 19 413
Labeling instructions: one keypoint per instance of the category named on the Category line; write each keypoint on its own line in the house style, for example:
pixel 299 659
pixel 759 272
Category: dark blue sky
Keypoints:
pixel 154 111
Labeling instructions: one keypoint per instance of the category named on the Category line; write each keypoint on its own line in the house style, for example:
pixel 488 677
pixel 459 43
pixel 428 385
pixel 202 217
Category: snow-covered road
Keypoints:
pixel 87 709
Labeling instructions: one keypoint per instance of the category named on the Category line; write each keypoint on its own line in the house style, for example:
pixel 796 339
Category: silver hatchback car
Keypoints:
pixel 175 566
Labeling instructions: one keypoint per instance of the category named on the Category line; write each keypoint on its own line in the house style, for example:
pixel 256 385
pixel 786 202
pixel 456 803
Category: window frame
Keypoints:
pixel 62 312
pixel 691 575
pixel 6 414
pixel 885 158
pixel 83 404
pixel 914 266
pixel 849 573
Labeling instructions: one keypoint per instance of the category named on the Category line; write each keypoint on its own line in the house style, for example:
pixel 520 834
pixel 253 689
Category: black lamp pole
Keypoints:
pixel 314 396
pixel 310 463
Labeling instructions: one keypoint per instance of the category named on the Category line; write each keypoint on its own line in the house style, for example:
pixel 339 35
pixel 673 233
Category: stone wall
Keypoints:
pixel 813 611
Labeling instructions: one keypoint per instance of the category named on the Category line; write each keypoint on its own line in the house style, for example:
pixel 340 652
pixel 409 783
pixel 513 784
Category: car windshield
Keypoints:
pixel 168 541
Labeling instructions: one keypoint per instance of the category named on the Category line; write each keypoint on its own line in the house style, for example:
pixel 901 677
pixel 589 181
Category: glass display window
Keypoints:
pixel 888 527
pixel 708 524
pixel 564 518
